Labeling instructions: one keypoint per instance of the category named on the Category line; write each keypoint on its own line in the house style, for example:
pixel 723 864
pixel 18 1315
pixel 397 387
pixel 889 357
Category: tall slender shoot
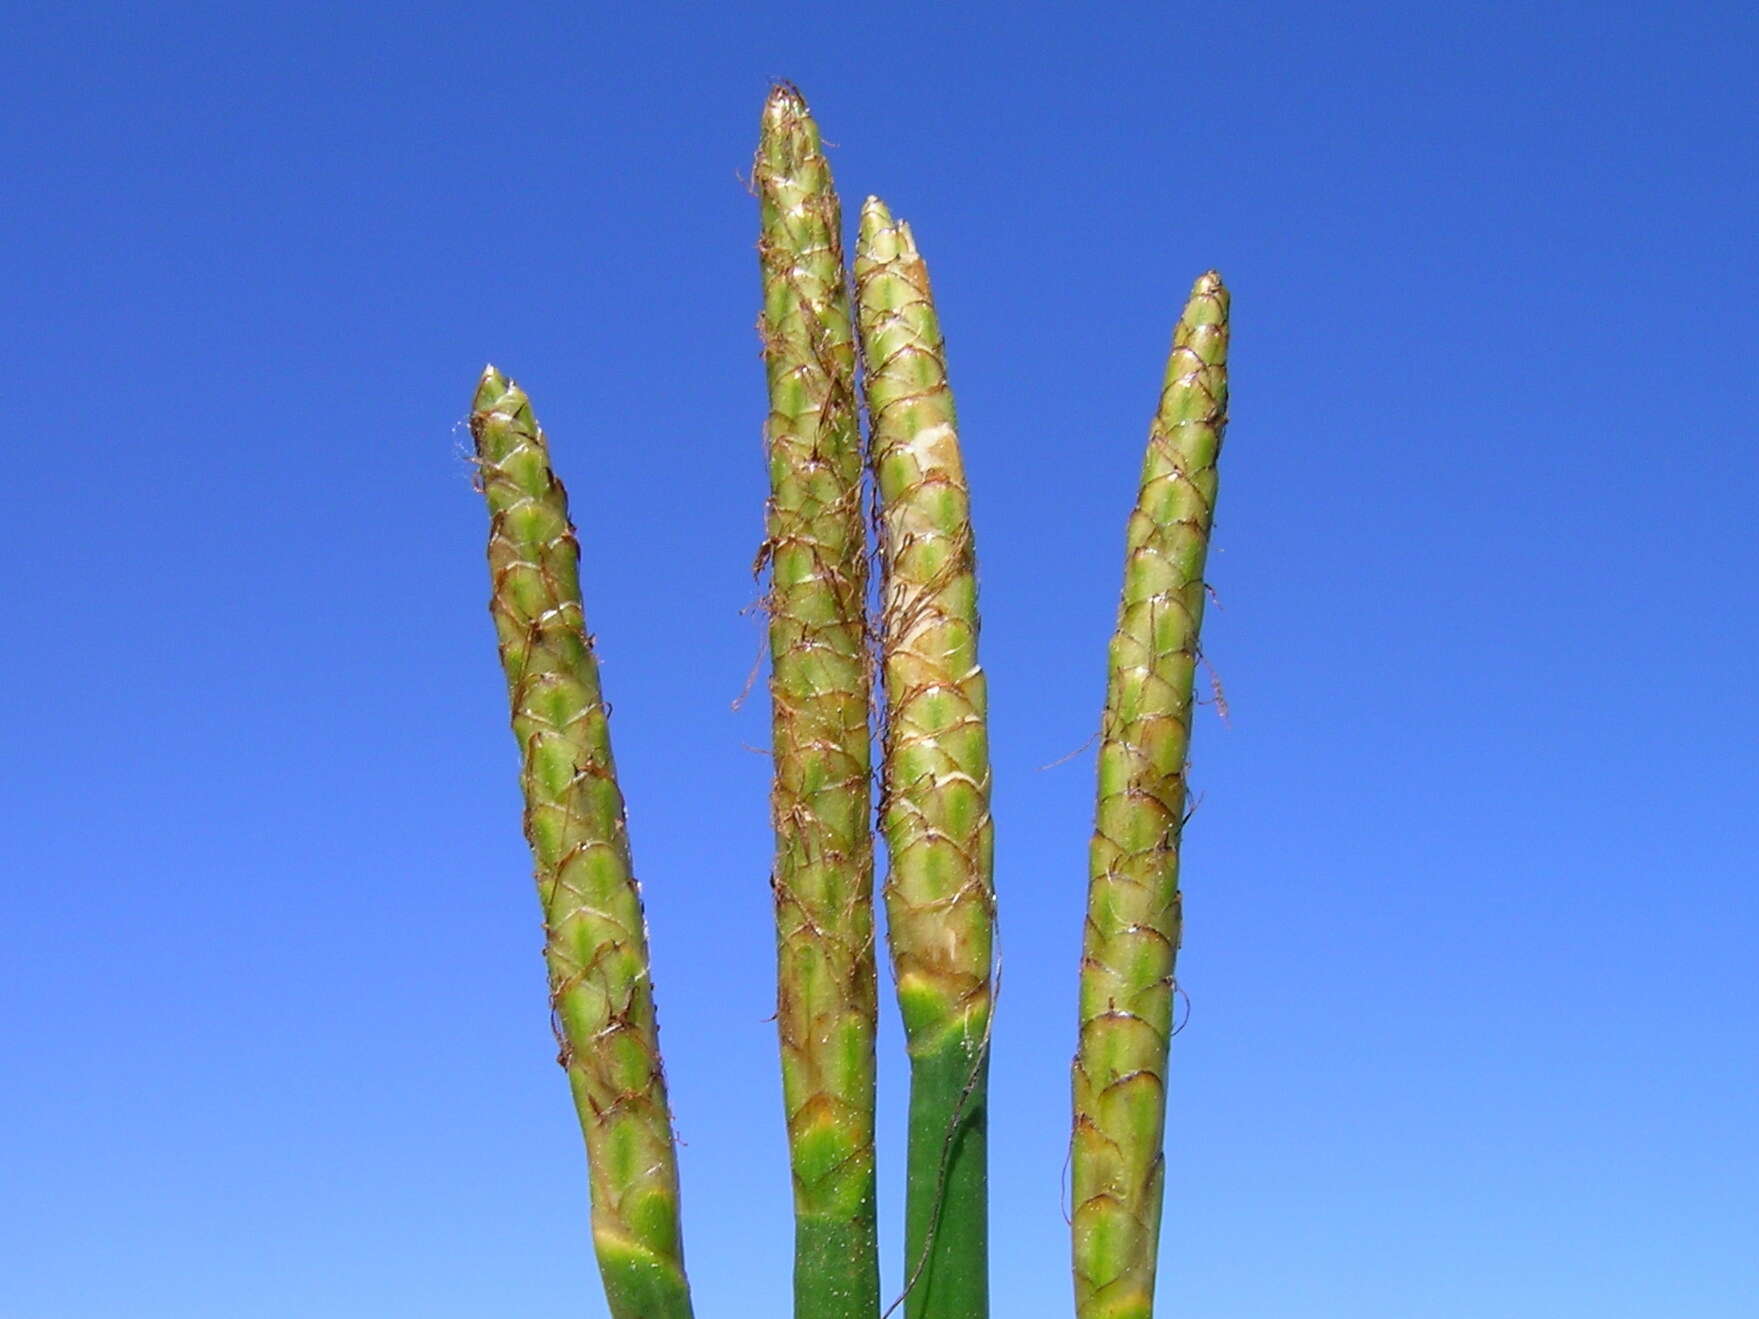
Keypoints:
pixel 601 994
pixel 1133 924
pixel 815 548
pixel 935 785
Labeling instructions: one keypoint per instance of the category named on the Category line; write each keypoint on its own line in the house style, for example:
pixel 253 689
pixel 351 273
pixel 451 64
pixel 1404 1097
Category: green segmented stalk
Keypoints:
pixel 1132 933
pixel 936 779
pixel 823 880
pixel 596 944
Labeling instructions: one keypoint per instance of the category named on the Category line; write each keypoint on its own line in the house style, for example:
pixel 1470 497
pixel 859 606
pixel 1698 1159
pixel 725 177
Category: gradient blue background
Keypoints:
pixel 1470 894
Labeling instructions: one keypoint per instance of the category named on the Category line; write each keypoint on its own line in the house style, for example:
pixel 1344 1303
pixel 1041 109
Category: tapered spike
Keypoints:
pixel 1133 930
pixel 935 786
pixel 596 947
pixel 823 879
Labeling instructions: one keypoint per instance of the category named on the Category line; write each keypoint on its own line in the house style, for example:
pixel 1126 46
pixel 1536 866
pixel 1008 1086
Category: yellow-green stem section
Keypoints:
pixel 1132 931
pixel 596 940
pixel 823 877
pixel 935 787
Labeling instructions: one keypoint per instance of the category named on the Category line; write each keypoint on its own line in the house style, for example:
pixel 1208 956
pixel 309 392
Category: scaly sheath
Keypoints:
pixel 600 992
pixel 1132 932
pixel 819 687
pixel 936 780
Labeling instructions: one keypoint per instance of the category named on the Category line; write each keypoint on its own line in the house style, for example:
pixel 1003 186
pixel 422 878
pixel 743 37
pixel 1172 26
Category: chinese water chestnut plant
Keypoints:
pixel 879 724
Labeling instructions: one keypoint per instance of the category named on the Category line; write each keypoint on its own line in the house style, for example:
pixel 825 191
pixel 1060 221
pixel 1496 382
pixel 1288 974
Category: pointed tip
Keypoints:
pixel 787 136
pixel 1208 303
pixel 784 102
pixel 494 390
pixel 883 235
pixel 875 217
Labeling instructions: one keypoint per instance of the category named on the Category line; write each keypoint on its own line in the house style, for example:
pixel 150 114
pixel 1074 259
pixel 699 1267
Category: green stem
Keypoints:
pixel 1133 927
pixel 946 1211
pixel 823 879
pixel 596 940
pixel 935 812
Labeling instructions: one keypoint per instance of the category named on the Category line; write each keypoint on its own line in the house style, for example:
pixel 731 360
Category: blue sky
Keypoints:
pixel 1470 893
